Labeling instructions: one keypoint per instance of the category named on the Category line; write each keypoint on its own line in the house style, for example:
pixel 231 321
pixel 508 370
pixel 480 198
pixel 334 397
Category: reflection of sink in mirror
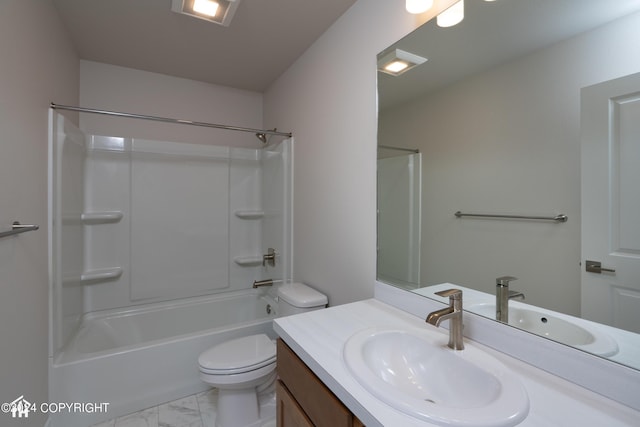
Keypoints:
pixel 579 333
pixel 415 372
pixel 553 327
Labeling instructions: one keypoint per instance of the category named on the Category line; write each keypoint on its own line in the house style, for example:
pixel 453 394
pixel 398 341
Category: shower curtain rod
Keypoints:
pixel 388 147
pixel 168 120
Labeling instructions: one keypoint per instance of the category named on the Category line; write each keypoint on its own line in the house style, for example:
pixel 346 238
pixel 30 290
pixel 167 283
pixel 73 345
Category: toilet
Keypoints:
pixel 244 368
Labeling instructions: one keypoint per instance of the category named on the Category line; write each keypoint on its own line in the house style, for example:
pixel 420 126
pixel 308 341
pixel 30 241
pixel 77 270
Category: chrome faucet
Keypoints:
pixel 260 283
pixel 452 313
pixel 503 295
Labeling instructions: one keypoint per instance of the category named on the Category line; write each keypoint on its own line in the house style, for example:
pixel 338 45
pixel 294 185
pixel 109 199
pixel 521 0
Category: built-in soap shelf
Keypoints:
pixel 104 217
pixel 91 218
pixel 94 276
pixel 249 214
pixel 248 261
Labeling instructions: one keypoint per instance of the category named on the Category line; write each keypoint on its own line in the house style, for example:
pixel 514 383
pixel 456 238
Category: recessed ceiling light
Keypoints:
pixel 206 7
pixel 216 11
pixel 398 61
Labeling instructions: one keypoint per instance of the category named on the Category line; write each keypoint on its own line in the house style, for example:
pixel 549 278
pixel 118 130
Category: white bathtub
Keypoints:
pixel 141 357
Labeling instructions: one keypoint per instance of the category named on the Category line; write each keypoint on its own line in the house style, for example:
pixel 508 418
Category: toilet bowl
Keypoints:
pixel 237 367
pixel 244 368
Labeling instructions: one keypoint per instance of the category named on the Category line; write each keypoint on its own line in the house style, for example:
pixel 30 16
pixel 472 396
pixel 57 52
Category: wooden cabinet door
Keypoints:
pixel 322 407
pixel 288 412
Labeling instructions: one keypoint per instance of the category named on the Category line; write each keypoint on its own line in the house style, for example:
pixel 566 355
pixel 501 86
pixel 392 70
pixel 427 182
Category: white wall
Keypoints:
pixel 178 236
pixel 328 100
pixel 109 87
pixel 508 141
pixel 38 65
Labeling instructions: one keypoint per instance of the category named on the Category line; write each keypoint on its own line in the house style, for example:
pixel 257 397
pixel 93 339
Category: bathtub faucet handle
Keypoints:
pixel 269 257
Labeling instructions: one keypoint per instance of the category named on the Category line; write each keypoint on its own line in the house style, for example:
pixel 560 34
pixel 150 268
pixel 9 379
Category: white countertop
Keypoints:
pixel 318 338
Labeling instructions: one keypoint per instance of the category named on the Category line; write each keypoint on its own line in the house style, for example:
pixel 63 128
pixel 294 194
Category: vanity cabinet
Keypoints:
pixel 303 400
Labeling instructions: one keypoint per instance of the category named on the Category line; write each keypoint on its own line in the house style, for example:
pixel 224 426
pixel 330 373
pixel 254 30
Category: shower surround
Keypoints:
pixel 150 242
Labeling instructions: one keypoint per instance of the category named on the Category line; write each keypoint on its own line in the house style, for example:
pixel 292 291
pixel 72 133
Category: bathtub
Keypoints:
pixel 141 357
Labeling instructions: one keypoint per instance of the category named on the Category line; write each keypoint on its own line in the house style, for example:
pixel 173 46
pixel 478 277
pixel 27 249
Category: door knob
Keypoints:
pixel 596 267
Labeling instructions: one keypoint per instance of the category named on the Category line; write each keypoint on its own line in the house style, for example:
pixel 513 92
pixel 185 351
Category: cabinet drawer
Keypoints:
pixel 318 402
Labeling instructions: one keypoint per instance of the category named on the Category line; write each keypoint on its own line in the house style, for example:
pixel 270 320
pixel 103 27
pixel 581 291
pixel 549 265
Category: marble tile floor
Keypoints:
pixel 198 410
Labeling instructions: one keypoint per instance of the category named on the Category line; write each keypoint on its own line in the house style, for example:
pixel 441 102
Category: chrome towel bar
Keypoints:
pixel 18 228
pixel 388 147
pixel 556 218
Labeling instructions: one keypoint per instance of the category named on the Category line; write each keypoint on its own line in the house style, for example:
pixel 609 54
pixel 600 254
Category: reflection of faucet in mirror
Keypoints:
pixel 453 313
pixel 503 295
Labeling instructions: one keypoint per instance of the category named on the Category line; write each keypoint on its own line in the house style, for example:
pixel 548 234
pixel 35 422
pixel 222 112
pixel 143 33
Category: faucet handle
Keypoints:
pixel 269 257
pixel 504 280
pixel 453 294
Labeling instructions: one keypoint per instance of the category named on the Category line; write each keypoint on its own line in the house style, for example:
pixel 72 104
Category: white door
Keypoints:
pixel 610 151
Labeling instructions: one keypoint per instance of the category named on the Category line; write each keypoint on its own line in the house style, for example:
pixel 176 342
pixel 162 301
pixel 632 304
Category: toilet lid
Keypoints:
pixel 238 355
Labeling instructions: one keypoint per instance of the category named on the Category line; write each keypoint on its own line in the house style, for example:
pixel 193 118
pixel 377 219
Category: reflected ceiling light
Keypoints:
pixel 451 16
pixel 398 61
pixel 418 6
pixel 216 11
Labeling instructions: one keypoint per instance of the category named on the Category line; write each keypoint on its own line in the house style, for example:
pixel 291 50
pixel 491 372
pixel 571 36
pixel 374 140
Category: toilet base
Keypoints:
pixel 237 408
pixel 253 407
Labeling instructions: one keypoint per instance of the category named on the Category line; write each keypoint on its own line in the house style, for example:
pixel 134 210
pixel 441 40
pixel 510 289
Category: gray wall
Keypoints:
pixel 328 99
pixel 38 65
pixel 110 87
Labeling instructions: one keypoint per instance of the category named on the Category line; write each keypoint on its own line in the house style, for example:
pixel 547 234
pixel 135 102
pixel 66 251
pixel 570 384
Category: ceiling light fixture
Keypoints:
pixel 452 16
pixel 206 7
pixel 216 11
pixel 398 62
pixel 418 6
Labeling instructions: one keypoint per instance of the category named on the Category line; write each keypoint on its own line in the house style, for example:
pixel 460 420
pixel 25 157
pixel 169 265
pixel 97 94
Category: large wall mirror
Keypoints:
pixel 526 108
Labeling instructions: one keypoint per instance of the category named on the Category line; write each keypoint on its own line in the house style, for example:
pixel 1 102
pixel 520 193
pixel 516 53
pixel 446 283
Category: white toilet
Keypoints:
pixel 244 367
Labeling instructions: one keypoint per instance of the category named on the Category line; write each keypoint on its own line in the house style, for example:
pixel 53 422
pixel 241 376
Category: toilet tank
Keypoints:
pixel 294 298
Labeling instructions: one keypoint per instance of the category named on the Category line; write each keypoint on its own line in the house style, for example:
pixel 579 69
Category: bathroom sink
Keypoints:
pixel 561 329
pixel 415 372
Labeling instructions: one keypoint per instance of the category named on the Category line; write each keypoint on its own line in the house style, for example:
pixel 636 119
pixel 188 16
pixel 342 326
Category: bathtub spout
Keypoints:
pixel 259 283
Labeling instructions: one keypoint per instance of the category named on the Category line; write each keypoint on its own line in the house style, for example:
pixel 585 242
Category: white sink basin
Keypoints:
pixel 561 329
pixel 415 372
